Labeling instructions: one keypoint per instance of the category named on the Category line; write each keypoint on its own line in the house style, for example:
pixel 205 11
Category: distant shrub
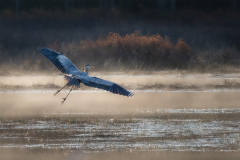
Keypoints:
pixel 132 50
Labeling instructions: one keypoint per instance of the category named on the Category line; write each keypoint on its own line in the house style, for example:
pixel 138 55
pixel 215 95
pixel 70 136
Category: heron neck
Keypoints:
pixel 86 70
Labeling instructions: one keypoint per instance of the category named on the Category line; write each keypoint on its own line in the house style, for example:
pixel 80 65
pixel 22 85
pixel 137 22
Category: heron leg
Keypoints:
pixel 64 99
pixel 59 90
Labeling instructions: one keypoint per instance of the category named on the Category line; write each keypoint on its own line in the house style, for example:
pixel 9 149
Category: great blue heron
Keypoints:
pixel 74 76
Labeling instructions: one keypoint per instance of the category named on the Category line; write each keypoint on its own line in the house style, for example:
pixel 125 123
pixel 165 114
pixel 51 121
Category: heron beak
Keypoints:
pixel 92 66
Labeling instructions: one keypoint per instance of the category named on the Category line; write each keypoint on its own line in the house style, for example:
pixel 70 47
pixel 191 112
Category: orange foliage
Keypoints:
pixel 183 47
pixel 135 49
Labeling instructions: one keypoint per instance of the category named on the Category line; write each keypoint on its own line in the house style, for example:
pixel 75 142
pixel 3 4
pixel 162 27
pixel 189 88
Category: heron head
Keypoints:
pixel 88 66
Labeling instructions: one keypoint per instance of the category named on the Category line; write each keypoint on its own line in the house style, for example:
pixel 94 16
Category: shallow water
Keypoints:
pixel 92 134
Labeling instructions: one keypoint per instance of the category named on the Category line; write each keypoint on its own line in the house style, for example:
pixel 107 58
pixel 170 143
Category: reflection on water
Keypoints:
pixel 124 134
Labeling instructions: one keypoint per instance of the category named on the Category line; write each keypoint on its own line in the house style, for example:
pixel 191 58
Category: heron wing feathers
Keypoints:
pixel 60 61
pixel 106 85
pixel 75 76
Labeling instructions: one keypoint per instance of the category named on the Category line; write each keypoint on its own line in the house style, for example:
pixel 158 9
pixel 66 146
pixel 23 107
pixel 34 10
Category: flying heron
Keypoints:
pixel 74 76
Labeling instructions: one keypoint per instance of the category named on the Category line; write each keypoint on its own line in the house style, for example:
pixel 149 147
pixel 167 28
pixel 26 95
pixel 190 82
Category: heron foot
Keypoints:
pixel 64 99
pixel 56 92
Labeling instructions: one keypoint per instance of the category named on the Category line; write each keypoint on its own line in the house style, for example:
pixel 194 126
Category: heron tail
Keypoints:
pixel 72 81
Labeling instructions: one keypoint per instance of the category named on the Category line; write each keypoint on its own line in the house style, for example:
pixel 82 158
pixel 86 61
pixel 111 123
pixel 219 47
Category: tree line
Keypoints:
pixel 126 5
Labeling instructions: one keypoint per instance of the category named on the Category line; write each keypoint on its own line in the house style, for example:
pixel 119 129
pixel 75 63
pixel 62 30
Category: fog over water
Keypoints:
pixel 159 77
pixel 91 121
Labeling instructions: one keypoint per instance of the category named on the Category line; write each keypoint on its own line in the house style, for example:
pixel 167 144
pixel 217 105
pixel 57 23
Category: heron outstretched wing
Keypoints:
pixel 60 61
pixel 106 85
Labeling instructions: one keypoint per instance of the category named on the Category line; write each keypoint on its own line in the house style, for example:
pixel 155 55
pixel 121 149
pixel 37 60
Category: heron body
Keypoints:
pixel 74 76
